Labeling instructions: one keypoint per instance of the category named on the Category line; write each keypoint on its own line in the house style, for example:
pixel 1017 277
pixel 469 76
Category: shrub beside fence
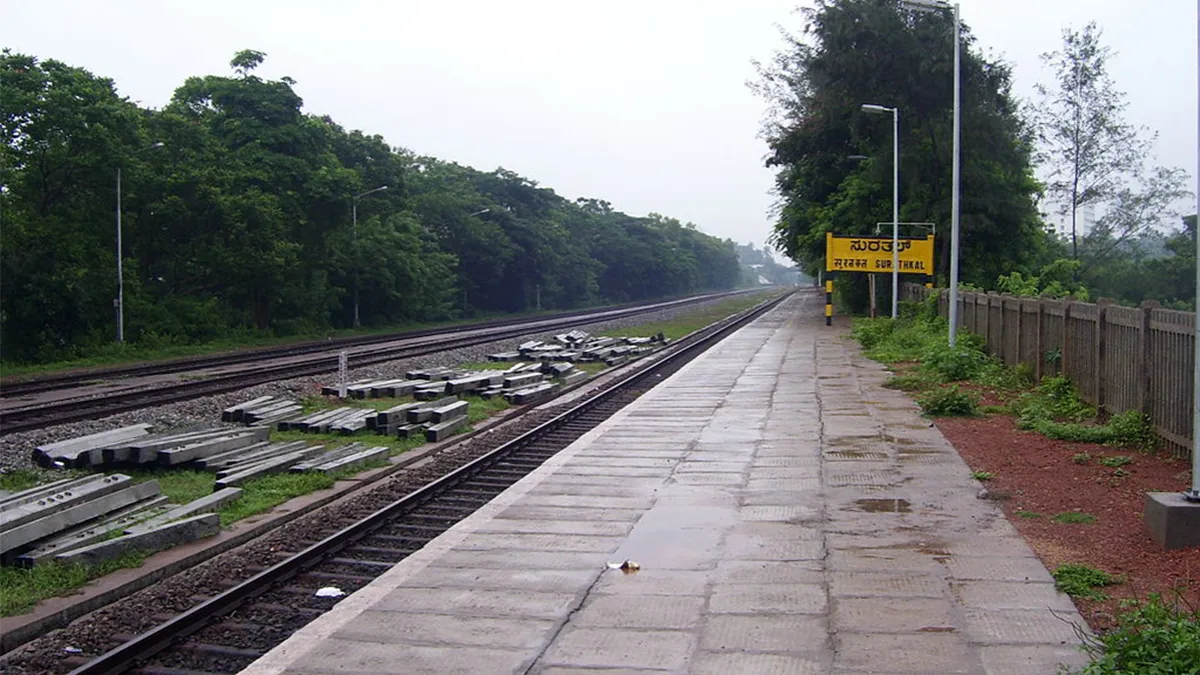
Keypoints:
pixel 1120 358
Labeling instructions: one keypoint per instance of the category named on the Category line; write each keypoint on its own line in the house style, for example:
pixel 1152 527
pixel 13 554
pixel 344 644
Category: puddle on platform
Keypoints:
pixel 883 505
pixel 937 629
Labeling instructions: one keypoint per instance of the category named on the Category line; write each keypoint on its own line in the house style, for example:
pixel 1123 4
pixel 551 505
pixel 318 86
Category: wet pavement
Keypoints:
pixel 787 515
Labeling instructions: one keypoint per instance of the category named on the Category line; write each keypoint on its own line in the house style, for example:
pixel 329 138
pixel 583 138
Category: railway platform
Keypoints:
pixel 787 515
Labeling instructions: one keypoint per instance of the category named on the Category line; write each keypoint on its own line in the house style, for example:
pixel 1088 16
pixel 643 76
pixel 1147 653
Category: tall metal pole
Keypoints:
pixel 954 205
pixel 895 211
pixel 120 269
pixel 1193 495
pixel 354 229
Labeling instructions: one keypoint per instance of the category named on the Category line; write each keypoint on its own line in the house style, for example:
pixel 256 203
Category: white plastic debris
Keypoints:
pixel 628 567
pixel 72 650
pixel 330 592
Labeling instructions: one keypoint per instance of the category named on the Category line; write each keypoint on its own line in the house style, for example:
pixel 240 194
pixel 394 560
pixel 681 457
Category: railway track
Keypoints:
pixel 299 361
pixel 226 632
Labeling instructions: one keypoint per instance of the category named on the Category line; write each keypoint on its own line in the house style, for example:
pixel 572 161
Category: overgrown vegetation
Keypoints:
pixel 1055 410
pixel 1152 637
pixel 1081 581
pixel 22 588
pixel 949 402
pixel 1074 518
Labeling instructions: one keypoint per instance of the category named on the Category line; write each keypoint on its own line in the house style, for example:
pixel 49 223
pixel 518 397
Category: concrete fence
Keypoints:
pixel 1120 358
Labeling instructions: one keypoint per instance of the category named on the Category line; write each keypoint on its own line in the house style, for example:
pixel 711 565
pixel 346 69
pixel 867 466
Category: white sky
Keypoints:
pixel 641 103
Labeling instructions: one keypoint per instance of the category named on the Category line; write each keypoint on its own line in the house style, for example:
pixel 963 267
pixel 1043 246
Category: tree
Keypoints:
pixel 1094 156
pixel 873 51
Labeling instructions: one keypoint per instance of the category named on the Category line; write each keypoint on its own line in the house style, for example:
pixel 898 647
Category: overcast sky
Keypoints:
pixel 639 102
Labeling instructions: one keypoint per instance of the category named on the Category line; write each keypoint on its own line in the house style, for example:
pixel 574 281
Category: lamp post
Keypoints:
pixel 354 227
pixel 120 301
pixel 935 5
pixel 1193 495
pixel 872 108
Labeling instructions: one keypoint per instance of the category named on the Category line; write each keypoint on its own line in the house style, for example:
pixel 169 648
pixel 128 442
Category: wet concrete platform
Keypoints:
pixel 789 516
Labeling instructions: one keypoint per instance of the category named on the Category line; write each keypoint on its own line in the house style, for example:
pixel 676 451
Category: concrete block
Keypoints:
pixel 327 456
pixel 465 384
pixel 33 494
pixel 62 519
pixel 449 412
pixel 410 430
pixel 274 465
pixel 429 393
pixel 326 423
pixel 425 413
pixel 384 389
pixel 92 532
pixel 352 423
pixel 504 356
pixel 145 540
pixel 402 388
pixel 533 394
pixel 1172 521
pixel 443 430
pixel 70 495
pixel 247 454
pixel 211 447
pixel 574 377
pixel 206 504
pixel 354 460
pixel 332 390
pixel 234 412
pixel 522 380
pixel 312 422
pixel 491 392
pixel 67 452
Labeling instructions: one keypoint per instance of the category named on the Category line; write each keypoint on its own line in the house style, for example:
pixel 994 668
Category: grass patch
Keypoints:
pixel 481 409
pixel 1081 581
pixel 693 320
pixel 1030 515
pixel 22 588
pixel 993 410
pixel 591 367
pixel 948 402
pixel 1151 637
pixel 982 475
pixel 262 494
pixel 1081 457
pixel 1115 461
pixel 1074 518
pixel 23 479
pixel 917 381
pixel 179 485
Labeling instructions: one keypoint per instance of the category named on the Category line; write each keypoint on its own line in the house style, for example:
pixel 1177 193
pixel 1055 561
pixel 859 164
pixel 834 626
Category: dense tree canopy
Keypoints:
pixel 237 216
pixel 855 52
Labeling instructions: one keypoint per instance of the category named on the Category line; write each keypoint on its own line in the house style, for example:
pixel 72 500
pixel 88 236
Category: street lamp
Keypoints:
pixel 354 227
pixel 879 109
pixel 120 301
pixel 933 6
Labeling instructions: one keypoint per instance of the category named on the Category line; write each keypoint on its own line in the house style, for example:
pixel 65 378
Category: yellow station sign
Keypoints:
pixel 849 253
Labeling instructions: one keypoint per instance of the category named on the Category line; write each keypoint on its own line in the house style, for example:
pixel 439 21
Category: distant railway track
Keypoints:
pixel 233 626
pixel 298 360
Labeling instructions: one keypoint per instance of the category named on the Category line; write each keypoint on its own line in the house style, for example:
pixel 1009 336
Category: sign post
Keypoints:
pixel 874 255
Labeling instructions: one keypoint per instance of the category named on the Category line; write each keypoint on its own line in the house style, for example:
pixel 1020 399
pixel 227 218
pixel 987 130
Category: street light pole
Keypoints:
pixel 1193 495
pixel 869 107
pixel 120 302
pixel 954 202
pixel 354 230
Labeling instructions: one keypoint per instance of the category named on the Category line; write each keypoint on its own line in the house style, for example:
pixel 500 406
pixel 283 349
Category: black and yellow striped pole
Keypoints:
pixel 828 302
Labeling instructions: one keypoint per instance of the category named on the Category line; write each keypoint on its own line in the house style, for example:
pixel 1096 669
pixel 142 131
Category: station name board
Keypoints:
pixel 852 253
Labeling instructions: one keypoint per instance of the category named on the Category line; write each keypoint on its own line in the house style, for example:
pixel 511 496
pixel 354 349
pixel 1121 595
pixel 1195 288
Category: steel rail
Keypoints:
pixel 150 643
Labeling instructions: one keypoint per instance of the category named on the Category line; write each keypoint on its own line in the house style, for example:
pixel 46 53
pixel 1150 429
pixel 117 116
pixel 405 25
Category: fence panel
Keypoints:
pixel 1053 332
pixel 1027 351
pixel 1079 361
pixel 1172 361
pixel 995 325
pixel 1121 367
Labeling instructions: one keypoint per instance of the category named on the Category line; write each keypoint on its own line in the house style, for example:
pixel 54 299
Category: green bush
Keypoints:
pixel 949 402
pixel 1132 428
pixel 918 381
pixel 1081 581
pixel 1151 638
pixel 870 333
pixel 999 376
pixel 956 363
pixel 1055 399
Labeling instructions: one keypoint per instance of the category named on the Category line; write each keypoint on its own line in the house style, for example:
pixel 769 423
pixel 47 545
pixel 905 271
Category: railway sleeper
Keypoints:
pixel 378 552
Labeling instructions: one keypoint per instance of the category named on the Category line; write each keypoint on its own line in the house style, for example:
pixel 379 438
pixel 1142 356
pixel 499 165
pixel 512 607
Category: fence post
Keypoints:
pixel 1101 313
pixel 1039 356
pixel 1144 358
pixel 987 320
pixel 1065 352
pixel 1020 328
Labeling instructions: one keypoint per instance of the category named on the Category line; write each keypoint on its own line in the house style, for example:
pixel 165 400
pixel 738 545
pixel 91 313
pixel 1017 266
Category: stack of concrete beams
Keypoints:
pixel 578 346
pixel 262 410
pixel 135 446
pixel 75 520
pixel 332 421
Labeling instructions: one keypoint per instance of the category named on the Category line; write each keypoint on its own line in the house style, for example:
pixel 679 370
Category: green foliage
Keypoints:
pixel 852 52
pixel 1115 461
pixel 21 479
pixel 238 221
pixel 179 485
pixel 1132 428
pixel 1081 581
pixel 1055 411
pixel 1081 458
pixel 1001 377
pixel 982 475
pixel 22 588
pixel 1053 400
pixel 949 402
pixel 1152 637
pixel 918 381
pixel 262 494
pixel 1030 515
pixel 870 333
pixel 1074 518
pixel 954 364
pixel 1058 279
